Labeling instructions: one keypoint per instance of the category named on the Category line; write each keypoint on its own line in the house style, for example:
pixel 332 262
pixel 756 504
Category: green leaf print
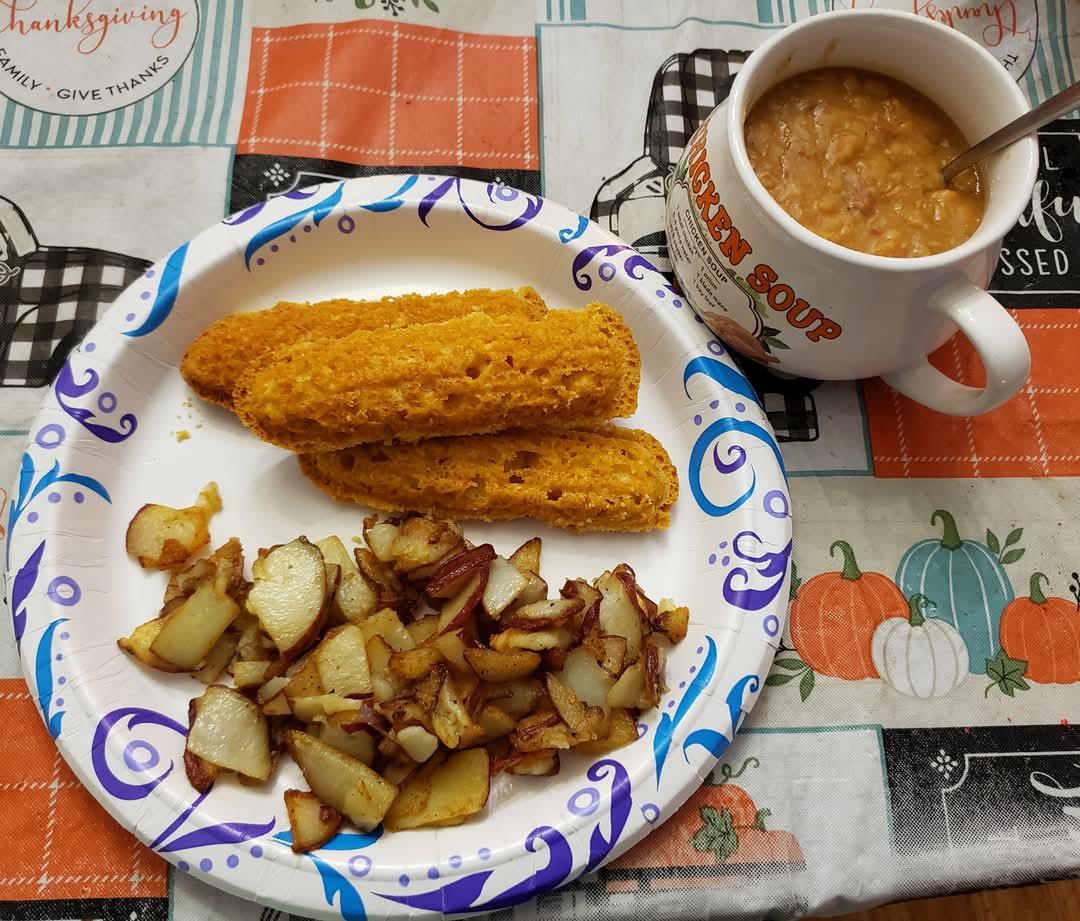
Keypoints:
pixel 717 833
pixel 788 669
pixel 791 665
pixel 1002 551
pixel 1006 674
pixel 760 817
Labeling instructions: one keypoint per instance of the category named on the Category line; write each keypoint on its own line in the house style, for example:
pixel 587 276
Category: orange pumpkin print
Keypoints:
pixel 835 614
pixel 1045 633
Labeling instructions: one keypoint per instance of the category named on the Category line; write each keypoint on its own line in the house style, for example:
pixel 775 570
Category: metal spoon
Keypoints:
pixel 1054 107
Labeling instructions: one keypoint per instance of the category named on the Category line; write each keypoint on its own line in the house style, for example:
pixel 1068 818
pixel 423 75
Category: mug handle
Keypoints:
pixel 998 341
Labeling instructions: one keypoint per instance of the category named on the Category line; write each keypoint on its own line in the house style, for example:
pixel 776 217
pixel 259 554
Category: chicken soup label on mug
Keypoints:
pixel 736 295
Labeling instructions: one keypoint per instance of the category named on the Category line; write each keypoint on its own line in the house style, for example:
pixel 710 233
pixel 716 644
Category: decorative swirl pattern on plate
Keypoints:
pixel 67 388
pixel 464 894
pixel 167 291
pixel 316 211
pixel 496 194
pixel 29 490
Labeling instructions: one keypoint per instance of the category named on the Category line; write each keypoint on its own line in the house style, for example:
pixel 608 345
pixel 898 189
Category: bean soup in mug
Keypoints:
pixel 856 158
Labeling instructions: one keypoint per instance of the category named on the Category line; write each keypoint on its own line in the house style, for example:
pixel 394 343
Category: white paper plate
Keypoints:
pixel 105 443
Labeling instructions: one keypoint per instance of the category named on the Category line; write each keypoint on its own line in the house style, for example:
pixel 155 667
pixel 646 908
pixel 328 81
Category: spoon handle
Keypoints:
pixel 1054 107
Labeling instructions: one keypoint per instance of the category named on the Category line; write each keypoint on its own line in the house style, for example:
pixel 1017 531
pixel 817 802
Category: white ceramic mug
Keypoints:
pixel 834 313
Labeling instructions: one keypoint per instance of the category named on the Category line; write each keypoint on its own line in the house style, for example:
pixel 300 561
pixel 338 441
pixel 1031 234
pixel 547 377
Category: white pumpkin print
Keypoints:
pixel 919 657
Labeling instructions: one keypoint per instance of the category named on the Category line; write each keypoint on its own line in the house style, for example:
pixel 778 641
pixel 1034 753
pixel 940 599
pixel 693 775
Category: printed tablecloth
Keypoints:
pixel 127 127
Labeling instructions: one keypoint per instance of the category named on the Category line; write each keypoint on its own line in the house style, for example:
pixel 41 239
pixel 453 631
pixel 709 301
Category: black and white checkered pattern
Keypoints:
pixel 48 301
pixel 686 88
pixel 630 204
pixel 792 416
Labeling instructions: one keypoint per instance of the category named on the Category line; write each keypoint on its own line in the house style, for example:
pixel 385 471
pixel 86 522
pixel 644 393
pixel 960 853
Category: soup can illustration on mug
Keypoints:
pixel 707 252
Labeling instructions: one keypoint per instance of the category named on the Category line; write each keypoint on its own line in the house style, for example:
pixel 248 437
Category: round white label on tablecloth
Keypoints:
pixel 1009 31
pixel 82 57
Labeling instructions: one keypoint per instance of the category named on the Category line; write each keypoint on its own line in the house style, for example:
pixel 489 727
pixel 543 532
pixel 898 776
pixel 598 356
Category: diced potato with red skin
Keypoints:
pixel 589 682
pixel 311 821
pixel 218 659
pixel 184 581
pixel 385 683
pixel 139 642
pixel 620 614
pixel 495 666
pixel 291 595
pixel 414 664
pixel 450 719
pixel 249 674
pixel 526 559
pixel 379 536
pixel 397 771
pixel 448 794
pixel 354 599
pixel 405 711
pixel 426 693
pixel 536 640
pixel 505 583
pixel 388 589
pixel 340 781
pixel 671 620
pixel 311 709
pixel 609 653
pixel 359 743
pixel 418 743
pixel 541 730
pixel 627 691
pixel 421 541
pixel 517 698
pixel 621 729
pixel 541 763
pixel 423 630
pixel 584 721
pixel 305 680
pixel 455 572
pixel 452 646
pixel 162 537
pixel 229 731
pixel 193 628
pixel 457 610
pixel 252 644
pixel 653 657
pixel 341 660
pixel 536 589
pixel 493 723
pixel 388 625
pixel 542 615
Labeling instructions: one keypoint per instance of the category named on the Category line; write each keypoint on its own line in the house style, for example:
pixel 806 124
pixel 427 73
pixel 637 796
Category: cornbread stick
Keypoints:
pixel 214 361
pixel 470 375
pixel 601 479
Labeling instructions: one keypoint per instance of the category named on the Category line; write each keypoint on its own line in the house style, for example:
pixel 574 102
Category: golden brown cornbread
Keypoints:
pixel 469 375
pixel 216 359
pixel 599 479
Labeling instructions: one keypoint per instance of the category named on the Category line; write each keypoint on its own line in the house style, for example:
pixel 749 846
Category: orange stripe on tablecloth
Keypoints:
pixel 1036 434
pixel 60 844
pixel 387 94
